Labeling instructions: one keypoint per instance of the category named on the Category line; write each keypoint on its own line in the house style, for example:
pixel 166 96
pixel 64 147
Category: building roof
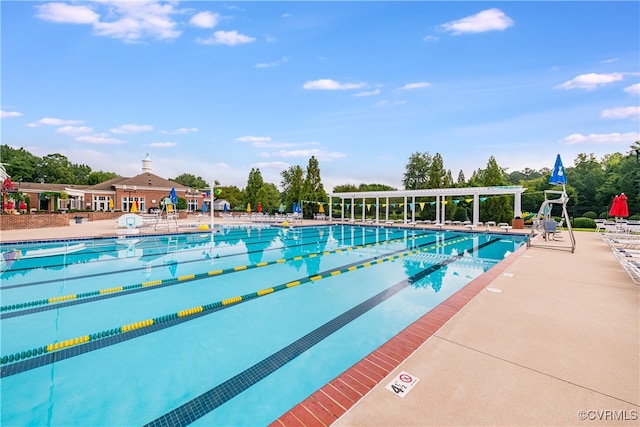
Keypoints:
pixel 147 179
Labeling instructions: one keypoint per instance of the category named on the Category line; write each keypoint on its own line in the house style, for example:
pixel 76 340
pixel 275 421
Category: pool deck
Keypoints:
pixel 562 337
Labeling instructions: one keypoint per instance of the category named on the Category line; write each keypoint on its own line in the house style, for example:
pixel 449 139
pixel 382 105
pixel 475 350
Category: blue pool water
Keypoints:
pixel 227 328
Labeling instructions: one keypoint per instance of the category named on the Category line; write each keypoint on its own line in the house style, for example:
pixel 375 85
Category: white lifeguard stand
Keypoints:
pixel 546 225
pixel 168 215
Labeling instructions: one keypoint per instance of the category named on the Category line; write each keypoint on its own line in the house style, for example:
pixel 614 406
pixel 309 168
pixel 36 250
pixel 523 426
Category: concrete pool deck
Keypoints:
pixel 562 337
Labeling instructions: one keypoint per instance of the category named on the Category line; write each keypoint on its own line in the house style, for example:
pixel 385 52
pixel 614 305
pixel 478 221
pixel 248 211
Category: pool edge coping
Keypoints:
pixel 331 401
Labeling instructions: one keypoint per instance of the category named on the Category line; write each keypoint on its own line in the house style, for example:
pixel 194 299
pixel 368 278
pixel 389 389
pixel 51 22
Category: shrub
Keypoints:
pixel 460 214
pixel 635 217
pixel 590 214
pixel 583 222
pixel 604 215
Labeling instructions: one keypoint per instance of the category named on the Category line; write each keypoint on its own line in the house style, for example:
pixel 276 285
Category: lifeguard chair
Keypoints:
pixel 544 222
pixel 168 214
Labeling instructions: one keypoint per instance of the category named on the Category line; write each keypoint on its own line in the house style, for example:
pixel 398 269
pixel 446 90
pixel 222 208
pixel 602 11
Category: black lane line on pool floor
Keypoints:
pixel 47 358
pixel 175 281
pixel 130 270
pixel 210 400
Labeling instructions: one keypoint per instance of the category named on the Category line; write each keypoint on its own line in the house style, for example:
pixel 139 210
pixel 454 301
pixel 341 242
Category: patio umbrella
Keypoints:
pixel 110 204
pixel 204 207
pixel 248 207
pixel 558 177
pixel 224 208
pixel 259 207
pixel 281 208
pixel 623 208
pixel 614 206
pixel 321 209
pixel 134 207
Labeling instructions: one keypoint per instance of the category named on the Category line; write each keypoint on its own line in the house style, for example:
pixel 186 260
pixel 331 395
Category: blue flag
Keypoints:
pixel 173 196
pixel 558 177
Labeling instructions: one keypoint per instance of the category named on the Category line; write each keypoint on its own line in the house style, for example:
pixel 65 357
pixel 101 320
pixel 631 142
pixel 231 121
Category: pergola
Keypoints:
pixel 439 194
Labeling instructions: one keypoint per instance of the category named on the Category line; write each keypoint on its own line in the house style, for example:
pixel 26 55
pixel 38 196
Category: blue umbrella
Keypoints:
pixel 173 196
pixel 204 207
pixel 224 207
pixel 558 177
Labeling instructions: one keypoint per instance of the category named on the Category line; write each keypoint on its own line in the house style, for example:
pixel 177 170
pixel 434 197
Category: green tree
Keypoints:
pixel 292 183
pixel 461 182
pixel 375 187
pixel 586 176
pixel 500 208
pixel 312 189
pixel 254 184
pixel 437 172
pixel 416 175
pixel 19 164
pixel 189 180
pixel 55 168
pixel 346 188
pixel 80 174
pixel 100 176
pixel 269 197
pixel 231 194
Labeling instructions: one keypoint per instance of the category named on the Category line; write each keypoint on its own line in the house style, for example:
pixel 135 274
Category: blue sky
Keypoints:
pixel 217 88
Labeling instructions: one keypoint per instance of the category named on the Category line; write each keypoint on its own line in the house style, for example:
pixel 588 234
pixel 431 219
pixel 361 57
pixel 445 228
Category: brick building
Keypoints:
pixel 119 193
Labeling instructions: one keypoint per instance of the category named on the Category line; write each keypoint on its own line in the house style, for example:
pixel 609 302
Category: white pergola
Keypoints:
pixel 438 193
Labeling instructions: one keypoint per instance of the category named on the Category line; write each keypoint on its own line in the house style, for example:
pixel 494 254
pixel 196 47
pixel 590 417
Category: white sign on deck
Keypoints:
pixel 402 384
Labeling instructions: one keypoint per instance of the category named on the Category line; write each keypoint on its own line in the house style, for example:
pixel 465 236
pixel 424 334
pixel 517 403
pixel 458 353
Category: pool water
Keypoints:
pixel 227 328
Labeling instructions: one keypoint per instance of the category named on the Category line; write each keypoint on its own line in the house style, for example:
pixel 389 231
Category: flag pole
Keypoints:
pixel 212 192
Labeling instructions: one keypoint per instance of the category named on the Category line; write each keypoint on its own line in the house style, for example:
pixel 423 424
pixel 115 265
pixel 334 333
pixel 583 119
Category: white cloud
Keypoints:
pixel 162 144
pixel 389 102
pixel 590 81
pixel 99 139
pixel 74 130
pixel 9 114
pixel 180 131
pixel 130 21
pixel 622 113
pixel 328 84
pixel 319 154
pixel 271 165
pixel 272 64
pixel 609 61
pixel 132 128
pixel 633 89
pixel 67 14
pixel 601 138
pixel 47 121
pixel 265 142
pixel 487 20
pixel 430 38
pixel 229 38
pixel 254 139
pixel 412 86
pixel 205 20
pixel 369 93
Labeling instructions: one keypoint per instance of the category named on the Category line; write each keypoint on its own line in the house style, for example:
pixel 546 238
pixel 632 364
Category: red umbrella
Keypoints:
pixel 259 207
pixel 614 206
pixel 623 208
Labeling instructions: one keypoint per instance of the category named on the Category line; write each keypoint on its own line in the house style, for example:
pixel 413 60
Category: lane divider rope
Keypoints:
pixel 59 345
pixel 89 294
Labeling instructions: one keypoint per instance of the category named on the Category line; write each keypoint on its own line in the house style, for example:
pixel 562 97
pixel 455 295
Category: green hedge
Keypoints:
pixel 590 214
pixel 583 222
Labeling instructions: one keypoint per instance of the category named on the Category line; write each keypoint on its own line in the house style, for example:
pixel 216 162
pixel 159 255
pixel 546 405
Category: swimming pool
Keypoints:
pixel 226 328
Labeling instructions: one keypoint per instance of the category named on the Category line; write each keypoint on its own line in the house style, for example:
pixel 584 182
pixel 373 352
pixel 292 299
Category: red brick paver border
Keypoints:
pixel 330 402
